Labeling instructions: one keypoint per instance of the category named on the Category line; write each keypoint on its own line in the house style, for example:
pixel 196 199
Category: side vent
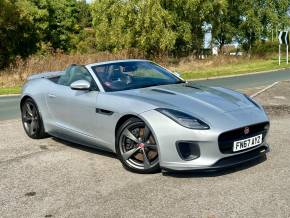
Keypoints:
pixel 103 111
pixel 192 86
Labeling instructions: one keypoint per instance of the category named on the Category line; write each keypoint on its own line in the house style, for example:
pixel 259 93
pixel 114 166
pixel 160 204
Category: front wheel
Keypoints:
pixel 137 147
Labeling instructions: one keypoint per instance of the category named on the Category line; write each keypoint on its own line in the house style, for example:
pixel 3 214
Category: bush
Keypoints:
pixel 264 48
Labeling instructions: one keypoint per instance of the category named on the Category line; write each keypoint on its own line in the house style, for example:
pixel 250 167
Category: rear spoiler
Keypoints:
pixel 45 75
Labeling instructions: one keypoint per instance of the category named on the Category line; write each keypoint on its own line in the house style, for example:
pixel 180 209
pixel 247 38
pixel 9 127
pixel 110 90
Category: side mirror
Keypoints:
pixel 80 85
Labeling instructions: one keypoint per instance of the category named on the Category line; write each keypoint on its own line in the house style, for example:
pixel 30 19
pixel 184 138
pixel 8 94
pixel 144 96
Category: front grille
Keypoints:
pixel 226 140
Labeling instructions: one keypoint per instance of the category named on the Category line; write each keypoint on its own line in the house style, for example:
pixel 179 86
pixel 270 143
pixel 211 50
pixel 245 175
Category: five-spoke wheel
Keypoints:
pixel 136 147
pixel 31 120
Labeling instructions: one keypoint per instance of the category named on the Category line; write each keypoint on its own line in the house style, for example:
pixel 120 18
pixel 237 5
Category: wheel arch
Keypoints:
pixel 24 98
pixel 128 116
pixel 123 120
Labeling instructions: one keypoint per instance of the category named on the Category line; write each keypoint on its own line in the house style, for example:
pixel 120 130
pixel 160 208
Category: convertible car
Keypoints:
pixel 150 117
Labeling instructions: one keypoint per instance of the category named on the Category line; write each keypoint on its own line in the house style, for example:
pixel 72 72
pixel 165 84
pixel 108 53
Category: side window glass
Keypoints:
pixel 64 78
pixel 76 73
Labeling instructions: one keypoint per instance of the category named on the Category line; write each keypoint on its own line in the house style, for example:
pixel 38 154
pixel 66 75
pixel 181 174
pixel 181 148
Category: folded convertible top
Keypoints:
pixel 45 75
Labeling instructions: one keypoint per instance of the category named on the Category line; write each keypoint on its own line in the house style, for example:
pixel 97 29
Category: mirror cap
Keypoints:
pixel 80 85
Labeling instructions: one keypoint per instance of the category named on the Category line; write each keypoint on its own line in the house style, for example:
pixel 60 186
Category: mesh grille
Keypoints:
pixel 226 140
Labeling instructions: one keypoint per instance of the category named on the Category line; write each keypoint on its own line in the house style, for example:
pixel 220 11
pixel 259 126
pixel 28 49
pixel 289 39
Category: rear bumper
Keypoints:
pixel 228 162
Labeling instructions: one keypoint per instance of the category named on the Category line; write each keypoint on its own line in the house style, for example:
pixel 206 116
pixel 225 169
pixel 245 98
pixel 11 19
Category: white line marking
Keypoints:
pixel 264 89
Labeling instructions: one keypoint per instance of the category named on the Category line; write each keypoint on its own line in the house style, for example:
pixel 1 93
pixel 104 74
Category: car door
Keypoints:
pixel 74 111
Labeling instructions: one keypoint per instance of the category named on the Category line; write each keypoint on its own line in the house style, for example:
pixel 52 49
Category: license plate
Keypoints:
pixel 247 143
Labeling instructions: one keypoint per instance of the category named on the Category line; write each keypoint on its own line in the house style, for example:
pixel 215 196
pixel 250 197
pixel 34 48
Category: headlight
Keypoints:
pixel 253 102
pixel 183 119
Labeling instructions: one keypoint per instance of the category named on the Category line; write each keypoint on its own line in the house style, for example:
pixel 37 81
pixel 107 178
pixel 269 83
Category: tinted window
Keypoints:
pixel 132 75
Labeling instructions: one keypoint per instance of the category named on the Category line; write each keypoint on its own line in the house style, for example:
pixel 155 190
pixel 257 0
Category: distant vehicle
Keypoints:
pixel 147 115
pixel 236 53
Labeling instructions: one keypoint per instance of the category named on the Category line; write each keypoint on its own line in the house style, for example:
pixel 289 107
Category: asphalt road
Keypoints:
pixel 249 81
pixel 53 178
pixel 9 108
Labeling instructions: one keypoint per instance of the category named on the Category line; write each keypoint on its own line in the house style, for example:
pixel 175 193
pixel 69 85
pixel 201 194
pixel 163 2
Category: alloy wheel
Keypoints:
pixel 138 146
pixel 30 118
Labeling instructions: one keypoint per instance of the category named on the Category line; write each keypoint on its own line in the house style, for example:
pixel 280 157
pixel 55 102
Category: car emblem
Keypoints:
pixel 247 130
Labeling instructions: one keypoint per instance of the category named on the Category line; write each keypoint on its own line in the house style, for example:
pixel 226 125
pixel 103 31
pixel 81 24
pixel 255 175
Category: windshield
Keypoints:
pixel 133 75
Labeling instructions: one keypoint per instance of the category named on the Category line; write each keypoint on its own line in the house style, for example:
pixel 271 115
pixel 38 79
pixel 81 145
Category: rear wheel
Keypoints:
pixel 31 120
pixel 136 147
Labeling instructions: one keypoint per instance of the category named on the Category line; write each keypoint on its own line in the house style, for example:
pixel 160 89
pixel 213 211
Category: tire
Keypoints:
pixel 31 120
pixel 135 140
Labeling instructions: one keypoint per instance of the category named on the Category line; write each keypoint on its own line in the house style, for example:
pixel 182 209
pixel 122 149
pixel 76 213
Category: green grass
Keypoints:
pixel 10 90
pixel 234 69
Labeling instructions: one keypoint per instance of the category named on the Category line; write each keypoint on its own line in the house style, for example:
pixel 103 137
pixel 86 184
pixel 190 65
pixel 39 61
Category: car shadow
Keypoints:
pixel 176 174
pixel 85 148
pixel 216 173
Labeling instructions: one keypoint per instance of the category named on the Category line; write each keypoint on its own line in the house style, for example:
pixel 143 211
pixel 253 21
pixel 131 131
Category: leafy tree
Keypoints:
pixel 128 24
pixel 153 28
pixel 156 27
pixel 113 22
pixel 62 23
pixel 256 18
pixel 222 18
pixel 57 22
pixel 190 17
pixel 84 14
pixel 17 33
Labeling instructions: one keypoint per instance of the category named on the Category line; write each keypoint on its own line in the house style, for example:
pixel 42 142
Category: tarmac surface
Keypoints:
pixel 54 178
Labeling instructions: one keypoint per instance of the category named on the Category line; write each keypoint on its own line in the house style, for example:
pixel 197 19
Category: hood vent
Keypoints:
pixel 192 86
pixel 163 91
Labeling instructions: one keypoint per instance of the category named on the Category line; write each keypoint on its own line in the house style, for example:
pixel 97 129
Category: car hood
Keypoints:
pixel 190 97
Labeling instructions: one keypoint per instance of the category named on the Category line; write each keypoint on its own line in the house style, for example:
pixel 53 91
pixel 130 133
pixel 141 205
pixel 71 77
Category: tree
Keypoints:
pixel 84 14
pixel 153 28
pixel 132 24
pixel 57 22
pixel 62 23
pixel 255 19
pixel 18 34
pixel 222 19
pixel 113 23
pixel 156 27
pixel 189 18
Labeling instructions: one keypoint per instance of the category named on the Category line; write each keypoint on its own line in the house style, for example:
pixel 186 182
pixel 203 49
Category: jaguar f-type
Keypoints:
pixel 149 116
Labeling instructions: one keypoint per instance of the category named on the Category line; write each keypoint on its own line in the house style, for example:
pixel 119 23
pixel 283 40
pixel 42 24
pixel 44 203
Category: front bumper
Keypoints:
pixel 167 133
pixel 228 162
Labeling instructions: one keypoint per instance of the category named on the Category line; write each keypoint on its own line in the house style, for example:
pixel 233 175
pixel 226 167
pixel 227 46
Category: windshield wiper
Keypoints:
pixel 150 85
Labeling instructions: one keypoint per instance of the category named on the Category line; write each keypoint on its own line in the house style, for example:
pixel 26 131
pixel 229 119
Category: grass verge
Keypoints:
pixel 234 69
pixel 10 90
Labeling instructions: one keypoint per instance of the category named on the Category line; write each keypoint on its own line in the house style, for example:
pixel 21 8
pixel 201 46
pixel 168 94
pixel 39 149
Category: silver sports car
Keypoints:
pixel 147 115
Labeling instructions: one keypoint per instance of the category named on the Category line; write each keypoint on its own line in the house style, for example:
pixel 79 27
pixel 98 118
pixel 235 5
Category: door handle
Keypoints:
pixel 51 96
